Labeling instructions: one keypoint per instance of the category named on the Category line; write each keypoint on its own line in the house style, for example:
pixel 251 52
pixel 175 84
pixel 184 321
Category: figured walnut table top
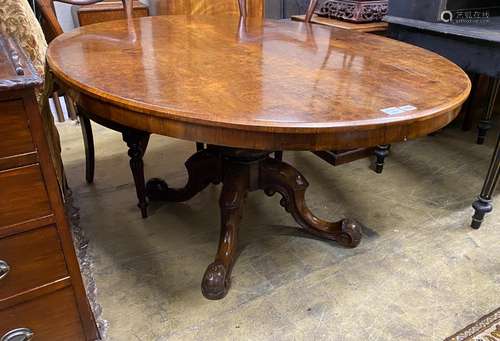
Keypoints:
pixel 259 84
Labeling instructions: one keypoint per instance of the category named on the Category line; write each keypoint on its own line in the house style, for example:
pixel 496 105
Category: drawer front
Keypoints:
pixel 14 129
pixel 22 196
pixel 52 317
pixel 29 260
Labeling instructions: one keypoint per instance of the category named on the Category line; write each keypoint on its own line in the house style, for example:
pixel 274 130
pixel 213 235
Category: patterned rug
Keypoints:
pixel 487 328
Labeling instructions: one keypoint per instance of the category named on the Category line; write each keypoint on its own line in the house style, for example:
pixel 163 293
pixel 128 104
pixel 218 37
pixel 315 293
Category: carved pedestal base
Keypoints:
pixel 243 171
pixel 358 11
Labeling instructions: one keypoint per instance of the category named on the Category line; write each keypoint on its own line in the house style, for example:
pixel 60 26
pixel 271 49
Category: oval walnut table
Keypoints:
pixel 248 87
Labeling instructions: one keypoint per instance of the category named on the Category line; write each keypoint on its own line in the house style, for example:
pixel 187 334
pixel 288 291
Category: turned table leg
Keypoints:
pixel 381 152
pixel 483 203
pixel 137 142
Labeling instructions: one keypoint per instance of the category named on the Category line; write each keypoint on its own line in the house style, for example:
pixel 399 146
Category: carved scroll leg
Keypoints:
pixel 137 142
pixel 280 177
pixel 217 278
pixel 88 142
pixel 203 168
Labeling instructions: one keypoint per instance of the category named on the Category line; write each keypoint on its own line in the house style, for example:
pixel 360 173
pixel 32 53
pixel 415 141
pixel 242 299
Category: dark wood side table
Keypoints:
pixel 106 11
pixel 244 109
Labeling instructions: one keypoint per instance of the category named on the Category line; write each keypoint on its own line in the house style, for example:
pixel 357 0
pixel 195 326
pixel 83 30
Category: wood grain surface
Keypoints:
pixel 260 84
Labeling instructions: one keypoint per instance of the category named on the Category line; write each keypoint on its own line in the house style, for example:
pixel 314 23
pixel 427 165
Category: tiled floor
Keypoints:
pixel 420 272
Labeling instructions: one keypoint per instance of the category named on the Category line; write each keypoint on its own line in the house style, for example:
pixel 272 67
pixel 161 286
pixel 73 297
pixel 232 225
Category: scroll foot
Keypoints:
pixel 216 281
pixel 282 178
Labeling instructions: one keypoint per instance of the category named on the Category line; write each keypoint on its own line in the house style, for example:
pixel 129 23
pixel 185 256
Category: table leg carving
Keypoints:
pixel 137 143
pixel 280 177
pixel 217 278
pixel 242 171
pixel 203 168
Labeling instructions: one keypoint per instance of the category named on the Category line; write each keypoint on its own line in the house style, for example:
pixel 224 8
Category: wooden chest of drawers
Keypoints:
pixel 42 296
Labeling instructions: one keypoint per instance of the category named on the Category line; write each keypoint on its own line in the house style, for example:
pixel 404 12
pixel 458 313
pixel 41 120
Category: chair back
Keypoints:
pixel 50 24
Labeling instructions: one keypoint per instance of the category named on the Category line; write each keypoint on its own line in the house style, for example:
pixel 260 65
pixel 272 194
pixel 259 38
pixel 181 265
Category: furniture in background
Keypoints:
pixel 42 295
pixel 474 45
pixel 372 27
pixel 136 142
pixel 238 146
pixel 106 11
pixel 253 8
pixel 357 11
pixel 339 157
pixel 483 204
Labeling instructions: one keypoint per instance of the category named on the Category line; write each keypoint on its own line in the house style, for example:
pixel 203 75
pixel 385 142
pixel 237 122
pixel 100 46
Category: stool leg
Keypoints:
pixel 58 106
pixel 381 152
pixel 485 123
pixel 88 142
pixel 200 146
pixel 483 203
pixel 278 155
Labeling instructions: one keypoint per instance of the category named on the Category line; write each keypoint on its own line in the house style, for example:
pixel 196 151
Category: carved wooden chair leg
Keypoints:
pixel 276 176
pixel 70 105
pixel 485 123
pixel 217 278
pixel 137 142
pixel 203 168
pixel 483 203
pixel 88 142
pixel 310 10
pixel 58 106
pixel 381 152
pixel 278 155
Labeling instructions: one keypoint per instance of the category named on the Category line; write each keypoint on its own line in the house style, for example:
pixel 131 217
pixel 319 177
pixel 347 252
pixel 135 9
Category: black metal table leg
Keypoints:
pixel 485 123
pixel 483 203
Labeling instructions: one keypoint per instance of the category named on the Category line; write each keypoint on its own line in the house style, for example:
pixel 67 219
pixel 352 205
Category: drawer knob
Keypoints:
pixel 19 334
pixel 4 270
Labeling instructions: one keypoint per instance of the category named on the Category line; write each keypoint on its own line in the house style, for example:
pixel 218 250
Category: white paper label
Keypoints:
pixel 398 110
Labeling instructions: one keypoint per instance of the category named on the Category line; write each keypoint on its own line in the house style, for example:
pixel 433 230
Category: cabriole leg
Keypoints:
pixel 217 278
